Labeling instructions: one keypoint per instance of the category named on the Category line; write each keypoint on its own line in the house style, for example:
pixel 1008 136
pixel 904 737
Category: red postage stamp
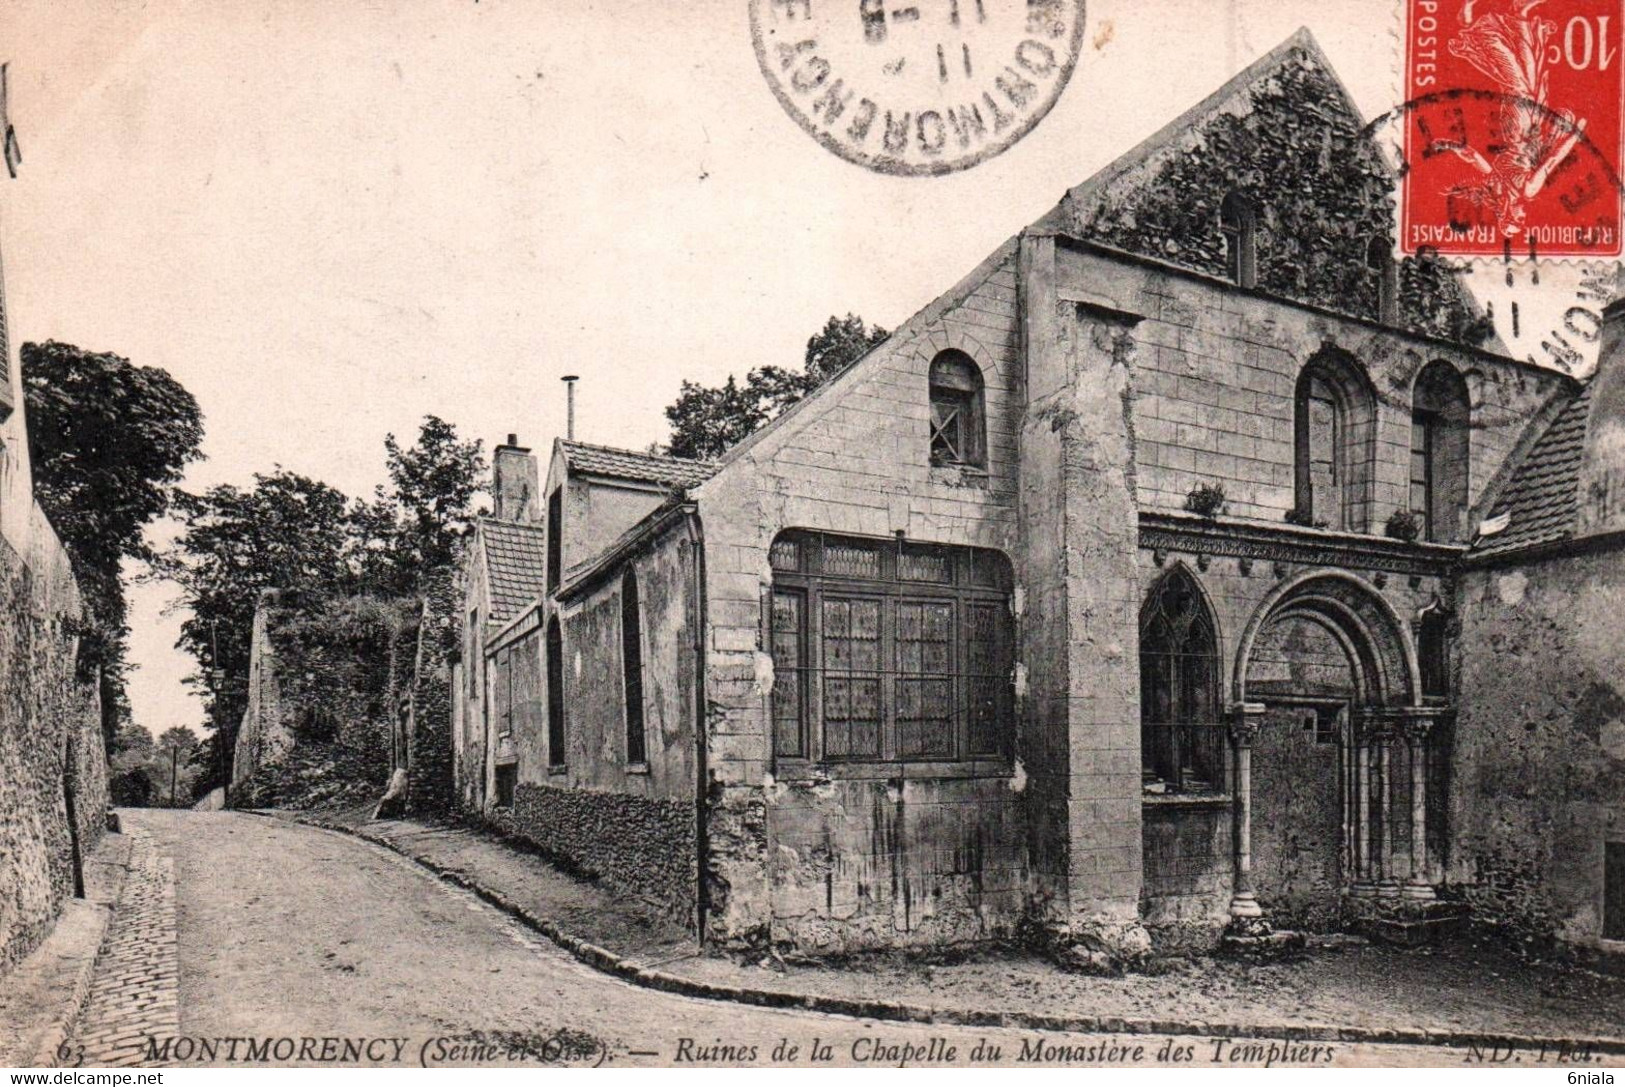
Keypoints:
pixel 1512 118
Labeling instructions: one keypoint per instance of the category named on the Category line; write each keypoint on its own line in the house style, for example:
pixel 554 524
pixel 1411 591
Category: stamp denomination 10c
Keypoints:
pixel 917 87
pixel 1513 127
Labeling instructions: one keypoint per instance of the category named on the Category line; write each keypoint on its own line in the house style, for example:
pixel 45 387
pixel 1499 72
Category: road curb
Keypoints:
pixel 626 969
pixel 47 1049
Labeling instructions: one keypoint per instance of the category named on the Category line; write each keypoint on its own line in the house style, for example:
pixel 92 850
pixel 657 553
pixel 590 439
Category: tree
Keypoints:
pixel 288 532
pixel 706 422
pixel 434 484
pixel 108 441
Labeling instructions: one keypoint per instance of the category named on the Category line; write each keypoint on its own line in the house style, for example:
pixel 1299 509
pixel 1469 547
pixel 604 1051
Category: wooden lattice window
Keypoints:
pixel 886 651
pixel 958 418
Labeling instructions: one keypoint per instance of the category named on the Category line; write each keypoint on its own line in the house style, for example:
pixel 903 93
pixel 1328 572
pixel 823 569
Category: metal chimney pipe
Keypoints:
pixel 570 405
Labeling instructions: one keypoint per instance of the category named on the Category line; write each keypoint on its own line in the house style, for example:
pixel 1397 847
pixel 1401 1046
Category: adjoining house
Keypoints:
pixel 1143 586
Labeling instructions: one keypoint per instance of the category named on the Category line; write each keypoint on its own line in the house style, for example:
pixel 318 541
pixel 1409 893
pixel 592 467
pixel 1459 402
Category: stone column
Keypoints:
pixel 1417 888
pixel 1246 916
pixel 1363 884
pixel 1387 877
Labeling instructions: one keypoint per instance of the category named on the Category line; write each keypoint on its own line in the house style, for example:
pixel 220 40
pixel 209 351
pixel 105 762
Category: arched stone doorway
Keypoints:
pixel 1329 752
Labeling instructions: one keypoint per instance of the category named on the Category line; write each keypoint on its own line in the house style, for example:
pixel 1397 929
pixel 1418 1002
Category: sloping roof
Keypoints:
pixel 515 565
pixel 1542 496
pixel 643 467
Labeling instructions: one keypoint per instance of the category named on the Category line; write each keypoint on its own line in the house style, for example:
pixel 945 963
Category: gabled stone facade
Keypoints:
pixel 1115 599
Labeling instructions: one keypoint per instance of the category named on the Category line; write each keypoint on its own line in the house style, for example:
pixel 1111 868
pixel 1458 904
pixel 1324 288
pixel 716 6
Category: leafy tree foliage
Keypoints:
pixel 293 533
pixel 707 421
pixel 108 441
pixel 143 772
pixel 286 532
pixel 434 485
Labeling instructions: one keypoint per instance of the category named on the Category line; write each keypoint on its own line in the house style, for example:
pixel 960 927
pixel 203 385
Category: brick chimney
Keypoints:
pixel 1602 474
pixel 515 483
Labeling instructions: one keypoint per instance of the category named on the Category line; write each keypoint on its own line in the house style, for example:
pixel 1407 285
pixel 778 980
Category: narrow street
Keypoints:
pixel 236 931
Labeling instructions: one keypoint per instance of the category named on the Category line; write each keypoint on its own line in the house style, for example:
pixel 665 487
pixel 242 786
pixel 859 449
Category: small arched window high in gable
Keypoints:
pixel 1384 277
pixel 1238 222
pixel 1334 435
pixel 1441 414
pixel 958 411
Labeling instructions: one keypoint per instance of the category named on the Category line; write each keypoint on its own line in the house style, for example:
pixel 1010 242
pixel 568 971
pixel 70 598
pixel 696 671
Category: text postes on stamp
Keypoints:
pixel 1513 127
pixel 917 87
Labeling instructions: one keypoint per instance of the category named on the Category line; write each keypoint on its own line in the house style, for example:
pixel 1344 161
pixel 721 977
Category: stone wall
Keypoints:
pixel 51 753
pixel 430 786
pixel 1539 767
pixel 630 824
pixel 330 684
pixel 1216 370
pixel 638 845
pixel 839 862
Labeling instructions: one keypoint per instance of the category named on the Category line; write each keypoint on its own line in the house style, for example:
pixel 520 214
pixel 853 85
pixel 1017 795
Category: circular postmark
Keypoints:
pixel 917 87
pixel 1469 189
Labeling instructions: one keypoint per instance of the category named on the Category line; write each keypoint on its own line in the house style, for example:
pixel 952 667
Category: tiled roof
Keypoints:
pixel 1542 497
pixel 644 467
pixel 515 565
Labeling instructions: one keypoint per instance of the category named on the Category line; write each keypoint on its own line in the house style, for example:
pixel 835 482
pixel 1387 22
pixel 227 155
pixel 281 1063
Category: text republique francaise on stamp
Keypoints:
pixel 917 87
pixel 1512 127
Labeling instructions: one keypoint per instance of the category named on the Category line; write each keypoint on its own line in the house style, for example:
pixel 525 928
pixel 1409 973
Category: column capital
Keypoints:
pixel 1418 722
pixel 1245 719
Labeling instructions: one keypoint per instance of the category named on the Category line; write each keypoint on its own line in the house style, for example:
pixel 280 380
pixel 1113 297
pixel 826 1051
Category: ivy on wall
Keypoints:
pixel 1290 144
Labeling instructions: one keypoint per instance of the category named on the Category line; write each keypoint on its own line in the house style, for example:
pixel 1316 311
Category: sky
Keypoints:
pixel 328 219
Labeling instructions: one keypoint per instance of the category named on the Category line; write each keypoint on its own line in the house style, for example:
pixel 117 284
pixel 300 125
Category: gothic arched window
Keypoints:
pixel 1181 734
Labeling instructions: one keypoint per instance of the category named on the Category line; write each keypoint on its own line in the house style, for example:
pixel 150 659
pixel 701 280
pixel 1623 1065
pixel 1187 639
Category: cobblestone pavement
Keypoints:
pixel 134 994
pixel 298 946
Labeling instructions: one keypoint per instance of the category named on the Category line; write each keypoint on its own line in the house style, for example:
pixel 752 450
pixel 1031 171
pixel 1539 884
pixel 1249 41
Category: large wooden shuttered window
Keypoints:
pixel 889 651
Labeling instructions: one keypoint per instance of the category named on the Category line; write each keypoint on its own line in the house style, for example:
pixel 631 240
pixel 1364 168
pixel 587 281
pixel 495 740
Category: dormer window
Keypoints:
pixel 958 421
pixel 1238 222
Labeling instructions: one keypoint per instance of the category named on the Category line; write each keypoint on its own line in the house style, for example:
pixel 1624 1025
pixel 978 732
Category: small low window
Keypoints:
pixel 958 424
pixel 507 779
pixel 1613 905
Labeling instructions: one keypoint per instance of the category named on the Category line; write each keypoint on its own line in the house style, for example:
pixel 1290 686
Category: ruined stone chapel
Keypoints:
pixel 1192 565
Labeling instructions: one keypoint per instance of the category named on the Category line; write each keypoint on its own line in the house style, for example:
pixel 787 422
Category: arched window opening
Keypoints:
pixel 1433 652
pixel 1181 733
pixel 555 693
pixel 555 537
pixel 1440 418
pixel 958 418
pixel 1238 222
pixel 1333 435
pixel 632 668
pixel 1384 276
